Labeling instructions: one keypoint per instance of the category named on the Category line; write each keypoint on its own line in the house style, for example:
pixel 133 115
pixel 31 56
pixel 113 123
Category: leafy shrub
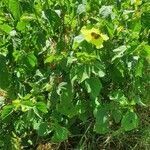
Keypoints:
pixel 72 69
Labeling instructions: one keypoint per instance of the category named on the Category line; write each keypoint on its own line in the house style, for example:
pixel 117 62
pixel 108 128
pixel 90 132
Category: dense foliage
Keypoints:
pixel 74 74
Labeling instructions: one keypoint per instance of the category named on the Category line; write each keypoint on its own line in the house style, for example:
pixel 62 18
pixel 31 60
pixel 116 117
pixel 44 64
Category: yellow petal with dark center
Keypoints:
pixel 94 36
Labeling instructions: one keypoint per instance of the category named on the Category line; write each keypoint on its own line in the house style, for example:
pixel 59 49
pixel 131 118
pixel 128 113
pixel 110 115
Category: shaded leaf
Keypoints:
pixel 4 76
pixel 102 120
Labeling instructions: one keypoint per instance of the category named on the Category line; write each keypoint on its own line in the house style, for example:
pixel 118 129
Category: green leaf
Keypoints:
pixel 42 107
pixel 32 59
pixel 102 120
pixel 66 106
pixel 117 115
pixel 27 17
pixel 53 58
pixel 80 73
pixel 83 73
pixel 61 134
pixel 27 103
pixel 139 69
pixel 147 52
pixel 77 40
pixel 6 111
pixel 4 76
pixel 129 121
pixel 42 129
pixel 145 21
pixel 14 7
pixel 36 111
pixel 119 97
pixel 98 69
pixel 93 86
pixel 50 59
pixel 21 26
pixel 5 28
pixel 53 18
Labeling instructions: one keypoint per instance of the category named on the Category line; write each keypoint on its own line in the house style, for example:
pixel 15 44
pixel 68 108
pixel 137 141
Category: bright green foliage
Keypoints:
pixel 73 71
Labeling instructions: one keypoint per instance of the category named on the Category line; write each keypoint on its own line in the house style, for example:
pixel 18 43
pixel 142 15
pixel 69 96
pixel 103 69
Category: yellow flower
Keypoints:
pixel 94 37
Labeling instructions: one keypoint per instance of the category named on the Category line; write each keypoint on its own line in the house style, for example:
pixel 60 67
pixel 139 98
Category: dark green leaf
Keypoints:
pixel 102 120
pixel 42 129
pixel 117 115
pixel 4 76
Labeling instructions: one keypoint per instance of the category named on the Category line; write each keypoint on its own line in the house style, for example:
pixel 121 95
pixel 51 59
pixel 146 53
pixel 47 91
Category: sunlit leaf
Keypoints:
pixel 14 7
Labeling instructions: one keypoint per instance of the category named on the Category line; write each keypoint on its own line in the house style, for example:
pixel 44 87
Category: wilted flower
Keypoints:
pixel 94 36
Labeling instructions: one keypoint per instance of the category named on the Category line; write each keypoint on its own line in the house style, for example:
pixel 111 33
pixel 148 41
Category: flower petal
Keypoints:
pixel 87 34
